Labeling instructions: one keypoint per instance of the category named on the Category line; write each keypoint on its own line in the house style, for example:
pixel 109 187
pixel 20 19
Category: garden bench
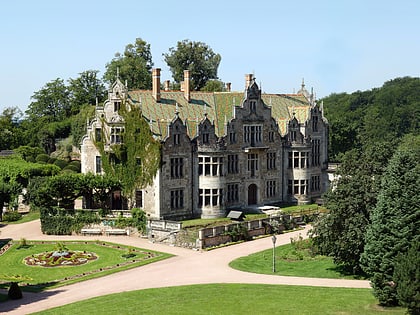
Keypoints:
pixel 116 232
pixel 91 231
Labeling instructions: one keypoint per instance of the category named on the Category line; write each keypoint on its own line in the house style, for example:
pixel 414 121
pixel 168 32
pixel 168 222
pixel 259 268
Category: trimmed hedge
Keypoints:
pixel 65 222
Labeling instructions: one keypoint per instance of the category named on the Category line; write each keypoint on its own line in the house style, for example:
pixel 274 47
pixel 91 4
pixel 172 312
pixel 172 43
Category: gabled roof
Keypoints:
pixel 219 107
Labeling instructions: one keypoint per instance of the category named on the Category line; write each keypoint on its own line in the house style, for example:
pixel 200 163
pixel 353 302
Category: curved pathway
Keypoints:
pixel 187 267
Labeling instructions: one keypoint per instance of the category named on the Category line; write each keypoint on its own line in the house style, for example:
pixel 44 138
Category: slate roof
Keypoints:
pixel 217 105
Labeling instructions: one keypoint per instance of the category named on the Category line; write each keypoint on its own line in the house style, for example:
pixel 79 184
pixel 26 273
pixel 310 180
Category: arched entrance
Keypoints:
pixel 252 194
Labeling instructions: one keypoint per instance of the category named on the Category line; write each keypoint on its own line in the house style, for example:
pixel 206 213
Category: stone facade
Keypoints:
pixel 220 150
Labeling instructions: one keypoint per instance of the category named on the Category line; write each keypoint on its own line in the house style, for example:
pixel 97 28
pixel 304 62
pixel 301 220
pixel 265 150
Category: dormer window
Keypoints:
pixel 177 139
pixel 253 106
pixel 117 106
pixel 315 123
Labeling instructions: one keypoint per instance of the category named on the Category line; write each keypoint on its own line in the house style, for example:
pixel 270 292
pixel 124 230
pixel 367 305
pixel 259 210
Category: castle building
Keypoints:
pixel 220 150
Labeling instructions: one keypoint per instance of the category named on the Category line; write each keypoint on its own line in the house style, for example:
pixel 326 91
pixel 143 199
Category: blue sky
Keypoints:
pixel 336 46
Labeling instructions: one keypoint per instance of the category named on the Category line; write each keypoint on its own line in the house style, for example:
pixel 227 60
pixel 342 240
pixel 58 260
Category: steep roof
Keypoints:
pixel 218 106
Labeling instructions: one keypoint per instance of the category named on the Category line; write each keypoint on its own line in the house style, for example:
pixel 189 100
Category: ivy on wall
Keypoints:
pixel 136 160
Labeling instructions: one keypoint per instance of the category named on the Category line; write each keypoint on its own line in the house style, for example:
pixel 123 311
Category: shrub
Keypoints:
pixel 11 216
pixel 42 158
pixel 60 163
pixel 14 292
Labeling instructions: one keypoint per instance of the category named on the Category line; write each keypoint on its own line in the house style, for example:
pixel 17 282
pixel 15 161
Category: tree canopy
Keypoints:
pixel 379 115
pixel 134 66
pixel 395 220
pixel 198 58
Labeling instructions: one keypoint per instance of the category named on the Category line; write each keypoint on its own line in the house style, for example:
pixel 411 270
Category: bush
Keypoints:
pixel 14 292
pixel 60 163
pixel 12 216
pixel 42 158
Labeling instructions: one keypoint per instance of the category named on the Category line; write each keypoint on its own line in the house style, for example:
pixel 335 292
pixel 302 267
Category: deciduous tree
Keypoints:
pixel 133 66
pixel 197 57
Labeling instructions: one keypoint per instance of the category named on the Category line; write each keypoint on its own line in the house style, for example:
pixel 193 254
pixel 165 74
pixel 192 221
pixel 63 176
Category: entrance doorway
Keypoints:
pixel 252 194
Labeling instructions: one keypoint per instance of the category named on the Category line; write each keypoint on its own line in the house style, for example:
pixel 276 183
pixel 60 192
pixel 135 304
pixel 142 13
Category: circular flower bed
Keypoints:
pixel 60 258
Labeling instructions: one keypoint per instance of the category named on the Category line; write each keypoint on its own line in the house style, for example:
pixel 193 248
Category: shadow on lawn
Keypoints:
pixel 28 298
pixel 345 271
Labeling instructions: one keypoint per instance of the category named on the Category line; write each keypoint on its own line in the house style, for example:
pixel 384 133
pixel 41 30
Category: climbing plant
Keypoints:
pixel 136 160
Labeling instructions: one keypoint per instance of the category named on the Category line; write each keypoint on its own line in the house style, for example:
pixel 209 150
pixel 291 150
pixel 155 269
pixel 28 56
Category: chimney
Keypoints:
pixel 156 84
pixel 228 85
pixel 248 80
pixel 166 84
pixel 187 85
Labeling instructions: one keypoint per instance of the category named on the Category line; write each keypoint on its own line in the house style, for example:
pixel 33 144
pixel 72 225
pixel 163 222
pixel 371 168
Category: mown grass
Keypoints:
pixel 50 277
pixel 297 259
pixel 232 299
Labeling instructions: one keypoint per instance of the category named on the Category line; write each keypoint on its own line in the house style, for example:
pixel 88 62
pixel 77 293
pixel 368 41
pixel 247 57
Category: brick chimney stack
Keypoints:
pixel 228 86
pixel 248 80
pixel 187 85
pixel 166 84
pixel 156 84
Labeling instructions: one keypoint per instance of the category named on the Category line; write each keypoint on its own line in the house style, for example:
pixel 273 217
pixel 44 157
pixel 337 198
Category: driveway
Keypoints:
pixel 187 267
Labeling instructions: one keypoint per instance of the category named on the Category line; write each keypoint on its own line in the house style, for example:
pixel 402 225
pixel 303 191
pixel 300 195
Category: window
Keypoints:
pixel 295 159
pixel 253 134
pixel 177 139
pixel 139 198
pixel 98 134
pixel 116 135
pixel 210 166
pixel 210 197
pixel 177 199
pixel 252 163
pixel 232 193
pixel 253 106
pixel 271 160
pixel 316 145
pixel 233 164
pixel 303 159
pixel 205 137
pixel 232 136
pixel 98 165
pixel 297 187
pixel 177 167
pixel 117 106
pixel 271 136
pixel 315 183
pixel 315 123
pixel 298 159
pixel 270 188
pixel 293 136
pixel 303 186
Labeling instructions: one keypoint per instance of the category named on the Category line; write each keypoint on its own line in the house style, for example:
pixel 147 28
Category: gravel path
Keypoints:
pixel 187 267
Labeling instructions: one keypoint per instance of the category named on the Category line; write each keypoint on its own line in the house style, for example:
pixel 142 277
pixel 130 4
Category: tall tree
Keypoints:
pixel 51 102
pixel 197 57
pixel 85 89
pixel 395 220
pixel 407 278
pixel 341 233
pixel 10 133
pixel 134 66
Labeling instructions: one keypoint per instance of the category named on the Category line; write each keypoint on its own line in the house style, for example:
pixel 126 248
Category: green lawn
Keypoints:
pixel 291 261
pixel 110 261
pixel 232 299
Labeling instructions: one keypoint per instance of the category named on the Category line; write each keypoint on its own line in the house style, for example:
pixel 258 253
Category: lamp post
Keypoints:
pixel 273 238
